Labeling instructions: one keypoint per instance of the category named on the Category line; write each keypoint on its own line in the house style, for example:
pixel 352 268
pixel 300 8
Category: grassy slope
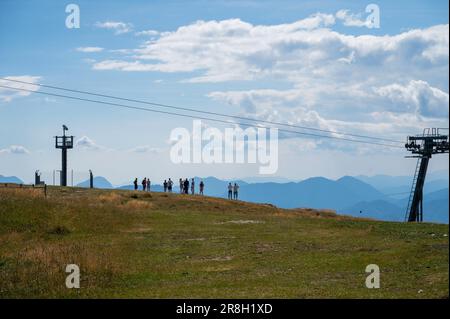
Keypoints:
pixel 140 245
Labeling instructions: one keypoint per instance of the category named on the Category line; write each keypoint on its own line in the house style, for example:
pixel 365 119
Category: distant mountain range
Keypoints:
pixel 393 185
pixel 381 197
pixel 10 179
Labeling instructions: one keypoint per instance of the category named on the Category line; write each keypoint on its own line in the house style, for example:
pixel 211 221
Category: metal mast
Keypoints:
pixel 64 143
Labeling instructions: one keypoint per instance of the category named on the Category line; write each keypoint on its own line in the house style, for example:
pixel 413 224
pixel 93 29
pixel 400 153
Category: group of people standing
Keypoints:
pixel 168 185
pixel 145 184
pixel 185 185
pixel 233 191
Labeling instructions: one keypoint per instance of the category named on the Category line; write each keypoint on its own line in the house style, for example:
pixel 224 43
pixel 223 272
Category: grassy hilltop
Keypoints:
pixel 141 245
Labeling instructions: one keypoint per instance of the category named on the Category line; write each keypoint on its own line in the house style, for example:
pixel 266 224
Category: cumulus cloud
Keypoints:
pixel 6 95
pixel 117 26
pixel 380 111
pixel 280 106
pixel 331 80
pixel 89 49
pixel 14 149
pixel 416 96
pixel 86 143
pixel 232 49
pixel 351 19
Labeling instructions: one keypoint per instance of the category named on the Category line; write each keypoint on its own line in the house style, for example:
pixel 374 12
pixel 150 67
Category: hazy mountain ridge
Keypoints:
pixel 99 182
pixel 10 179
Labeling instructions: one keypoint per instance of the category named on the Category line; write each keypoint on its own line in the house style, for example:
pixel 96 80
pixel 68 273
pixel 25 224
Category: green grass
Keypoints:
pixel 137 245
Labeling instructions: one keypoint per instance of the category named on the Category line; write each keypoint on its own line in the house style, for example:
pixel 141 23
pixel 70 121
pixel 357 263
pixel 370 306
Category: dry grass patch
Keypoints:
pixel 40 269
pixel 25 192
pixel 136 204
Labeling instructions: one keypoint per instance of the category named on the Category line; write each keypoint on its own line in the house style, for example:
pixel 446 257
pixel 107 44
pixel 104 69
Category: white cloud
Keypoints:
pixel 332 80
pixel 6 95
pixel 15 149
pixel 417 96
pixel 236 50
pixel 117 26
pixel 89 49
pixel 124 66
pixel 86 143
pixel 387 111
pixel 151 33
pixel 351 19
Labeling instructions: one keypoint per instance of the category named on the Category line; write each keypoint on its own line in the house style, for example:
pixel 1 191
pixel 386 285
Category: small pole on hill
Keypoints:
pixel 91 179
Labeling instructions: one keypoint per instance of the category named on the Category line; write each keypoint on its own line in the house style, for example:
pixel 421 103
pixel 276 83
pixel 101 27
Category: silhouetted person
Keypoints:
pixel 148 184
pixel 169 185
pixel 186 186
pixel 144 184
pixel 181 186
pixel 165 186
pixel 235 190
pixel 135 184
pixel 192 187
pixel 230 191
pixel 202 186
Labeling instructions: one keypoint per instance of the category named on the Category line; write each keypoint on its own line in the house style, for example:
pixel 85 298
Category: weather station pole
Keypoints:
pixel 64 143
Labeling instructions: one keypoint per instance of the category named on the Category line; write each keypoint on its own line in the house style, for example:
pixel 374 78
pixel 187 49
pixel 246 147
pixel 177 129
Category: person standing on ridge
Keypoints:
pixel 186 186
pixel 148 184
pixel 165 186
pixel 230 191
pixel 144 184
pixel 202 186
pixel 169 185
pixel 235 190
pixel 135 184
pixel 192 187
pixel 181 186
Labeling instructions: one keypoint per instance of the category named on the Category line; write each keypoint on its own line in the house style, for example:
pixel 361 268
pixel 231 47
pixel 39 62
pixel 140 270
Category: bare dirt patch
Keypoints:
pixel 241 221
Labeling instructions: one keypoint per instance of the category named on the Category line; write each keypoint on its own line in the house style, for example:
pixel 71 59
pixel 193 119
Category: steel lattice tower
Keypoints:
pixel 423 147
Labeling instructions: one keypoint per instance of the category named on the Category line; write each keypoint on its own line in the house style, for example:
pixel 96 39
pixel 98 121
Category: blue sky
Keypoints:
pixel 313 63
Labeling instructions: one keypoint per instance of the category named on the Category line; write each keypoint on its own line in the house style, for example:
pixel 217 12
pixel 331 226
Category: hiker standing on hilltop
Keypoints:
pixel 192 187
pixel 202 186
pixel 165 186
pixel 186 186
pixel 230 191
pixel 235 190
pixel 181 186
pixel 169 185
pixel 135 184
pixel 148 184
pixel 144 184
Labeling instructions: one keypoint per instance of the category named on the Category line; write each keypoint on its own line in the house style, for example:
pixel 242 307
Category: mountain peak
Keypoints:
pixel 99 182
pixel 10 179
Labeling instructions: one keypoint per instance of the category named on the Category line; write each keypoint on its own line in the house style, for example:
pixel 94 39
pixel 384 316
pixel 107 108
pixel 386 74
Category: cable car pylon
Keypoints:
pixel 422 147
